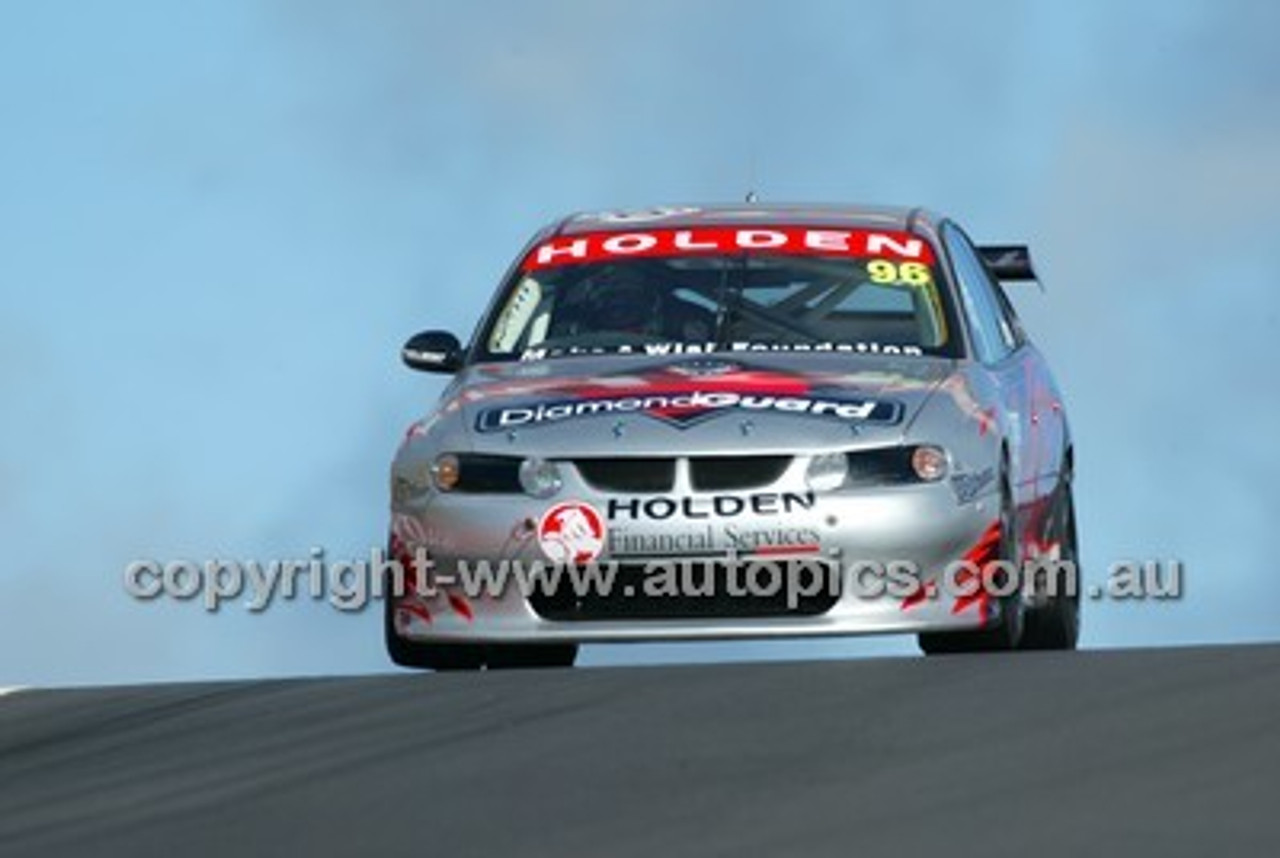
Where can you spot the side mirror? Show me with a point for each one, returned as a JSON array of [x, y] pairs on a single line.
[[432, 351]]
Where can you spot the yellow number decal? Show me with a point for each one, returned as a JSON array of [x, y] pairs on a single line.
[[914, 273], [882, 271], [907, 274]]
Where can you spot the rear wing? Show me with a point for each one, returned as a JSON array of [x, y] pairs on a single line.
[[1008, 262]]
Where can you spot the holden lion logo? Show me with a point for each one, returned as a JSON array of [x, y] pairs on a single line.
[[571, 533]]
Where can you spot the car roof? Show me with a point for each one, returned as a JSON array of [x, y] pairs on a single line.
[[909, 219]]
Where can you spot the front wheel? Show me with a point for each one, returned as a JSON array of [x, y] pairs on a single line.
[[1055, 624]]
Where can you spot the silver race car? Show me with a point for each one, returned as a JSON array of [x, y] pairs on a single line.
[[730, 422]]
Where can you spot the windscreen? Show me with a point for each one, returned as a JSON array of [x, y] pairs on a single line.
[[706, 290]]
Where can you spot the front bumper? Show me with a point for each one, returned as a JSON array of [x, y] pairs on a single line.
[[922, 527]]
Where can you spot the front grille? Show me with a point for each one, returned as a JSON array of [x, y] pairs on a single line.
[[706, 473], [627, 599], [628, 475], [735, 473]]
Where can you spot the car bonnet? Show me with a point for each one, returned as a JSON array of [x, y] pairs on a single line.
[[690, 404]]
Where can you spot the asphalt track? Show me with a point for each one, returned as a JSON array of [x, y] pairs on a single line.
[[1157, 752]]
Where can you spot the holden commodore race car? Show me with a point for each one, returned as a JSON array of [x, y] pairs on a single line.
[[731, 422]]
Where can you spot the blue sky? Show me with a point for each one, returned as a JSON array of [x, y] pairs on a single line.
[[219, 219]]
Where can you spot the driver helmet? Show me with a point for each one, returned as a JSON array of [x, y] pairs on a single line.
[[623, 300]]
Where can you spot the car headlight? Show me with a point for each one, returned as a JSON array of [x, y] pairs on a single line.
[[540, 477], [890, 466], [827, 471], [477, 473], [446, 470], [929, 463]]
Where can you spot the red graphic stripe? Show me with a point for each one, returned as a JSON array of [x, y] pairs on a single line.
[[775, 550], [461, 607], [419, 611], [982, 556]]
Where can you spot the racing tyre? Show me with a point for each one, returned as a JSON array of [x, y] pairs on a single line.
[[1056, 624], [1007, 633]]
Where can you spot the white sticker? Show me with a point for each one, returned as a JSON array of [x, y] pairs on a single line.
[[511, 323]]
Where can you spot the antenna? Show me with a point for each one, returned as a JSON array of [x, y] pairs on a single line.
[[752, 196]]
